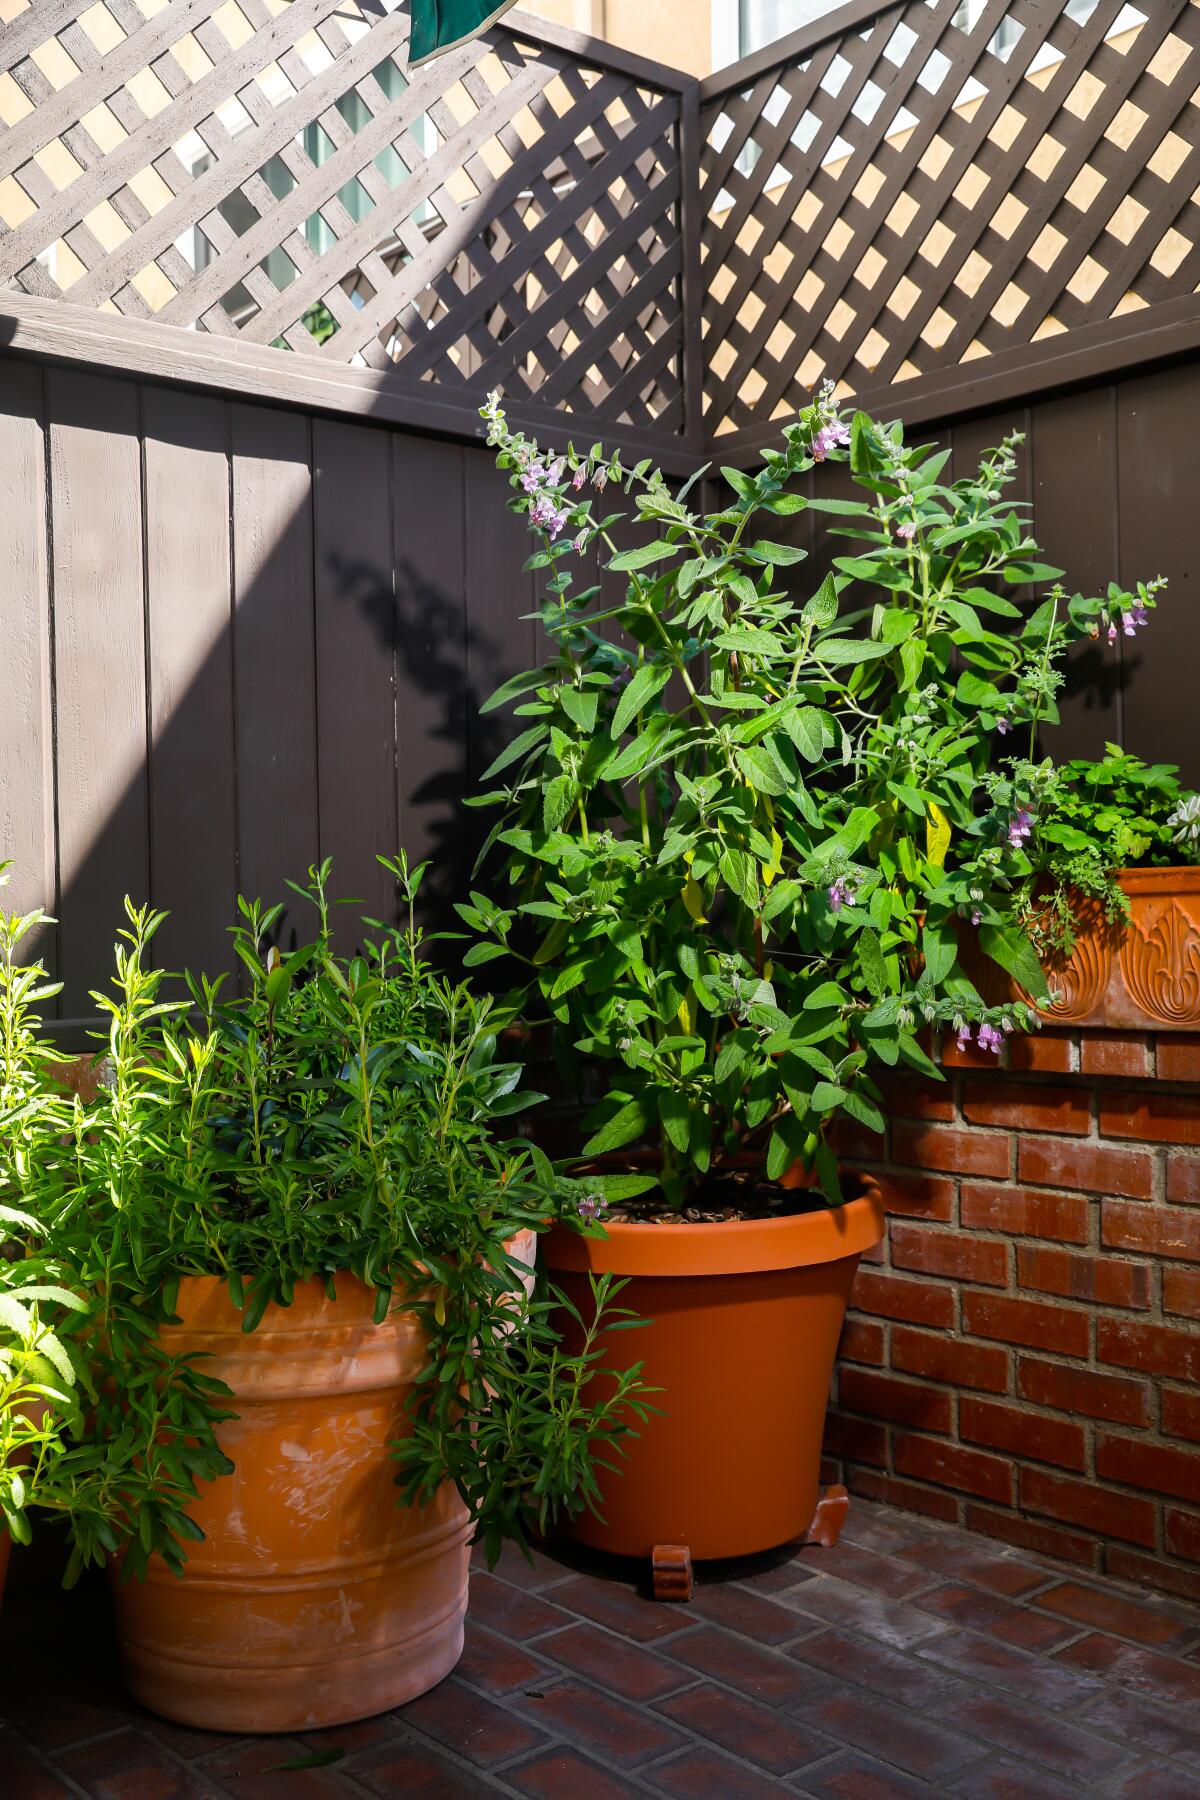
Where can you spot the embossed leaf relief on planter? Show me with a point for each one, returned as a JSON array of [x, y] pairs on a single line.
[[1143, 975], [1161, 967]]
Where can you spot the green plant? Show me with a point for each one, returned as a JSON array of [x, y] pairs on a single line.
[[1088, 820], [39, 1384], [741, 829], [337, 1118]]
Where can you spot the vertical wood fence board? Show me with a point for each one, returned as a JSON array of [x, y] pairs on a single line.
[[100, 669], [1156, 425], [355, 662], [431, 627], [27, 825], [500, 641], [274, 665], [193, 810], [1076, 510]]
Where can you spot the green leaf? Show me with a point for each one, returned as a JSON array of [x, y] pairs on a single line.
[[871, 962], [822, 609], [643, 555], [780, 556], [745, 638], [804, 728], [835, 651], [514, 688], [761, 770], [973, 690], [1031, 571], [558, 802], [1017, 956], [785, 505], [524, 742], [827, 994], [676, 1117], [628, 1123], [580, 705], [940, 951], [648, 681]]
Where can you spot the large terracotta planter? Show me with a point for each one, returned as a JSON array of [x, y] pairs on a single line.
[[744, 1327], [315, 1598], [1140, 975]]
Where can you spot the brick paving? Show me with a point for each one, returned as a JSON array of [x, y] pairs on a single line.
[[914, 1659]]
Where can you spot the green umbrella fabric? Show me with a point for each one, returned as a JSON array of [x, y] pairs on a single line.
[[438, 25]]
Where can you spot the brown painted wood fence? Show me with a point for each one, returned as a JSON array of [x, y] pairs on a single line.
[[253, 597]]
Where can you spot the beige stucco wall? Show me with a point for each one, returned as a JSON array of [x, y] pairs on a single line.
[[678, 32]]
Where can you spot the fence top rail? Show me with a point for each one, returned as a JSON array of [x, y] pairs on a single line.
[[794, 47]]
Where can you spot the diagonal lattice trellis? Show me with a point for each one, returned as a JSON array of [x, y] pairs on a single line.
[[943, 182], [269, 169]]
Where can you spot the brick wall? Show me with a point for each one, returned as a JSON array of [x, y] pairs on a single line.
[[1022, 1354]]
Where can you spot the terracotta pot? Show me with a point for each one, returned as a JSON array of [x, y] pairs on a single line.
[[745, 1320], [1143, 975], [315, 1598]]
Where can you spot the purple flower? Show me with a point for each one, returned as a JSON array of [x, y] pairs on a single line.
[[1002, 727], [554, 472], [581, 543], [964, 1035], [990, 1039], [977, 917], [907, 530], [1112, 633], [590, 1206], [828, 438], [841, 895], [600, 480], [1019, 828], [579, 477]]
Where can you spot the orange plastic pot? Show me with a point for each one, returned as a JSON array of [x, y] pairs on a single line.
[[743, 1333], [314, 1598]]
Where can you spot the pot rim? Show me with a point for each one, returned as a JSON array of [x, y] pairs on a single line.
[[736, 1247], [1180, 879]]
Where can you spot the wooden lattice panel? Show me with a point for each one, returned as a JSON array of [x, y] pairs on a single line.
[[921, 192], [270, 169]]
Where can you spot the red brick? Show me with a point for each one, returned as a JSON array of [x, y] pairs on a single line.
[[1151, 1571], [910, 1097], [1181, 1292], [1156, 1230], [919, 1196], [954, 1149], [901, 1297], [949, 1465], [1113, 1613], [862, 1342], [1183, 1534], [1097, 1168], [949, 1359], [1159, 1118], [906, 1402], [1179, 1056], [1181, 1414], [859, 1440], [1022, 1433], [1028, 1534], [1156, 1467], [1042, 1052], [1028, 1106], [932, 1502], [931, 1250], [1083, 1503], [1027, 1322], [1114, 1053], [1183, 1178], [1025, 1212], [1103, 1279], [1111, 1397], [1157, 1349]]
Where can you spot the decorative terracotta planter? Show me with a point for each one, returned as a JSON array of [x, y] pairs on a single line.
[[1143, 975], [315, 1598], [743, 1333]]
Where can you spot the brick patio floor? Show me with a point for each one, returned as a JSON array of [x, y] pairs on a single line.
[[912, 1660]]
